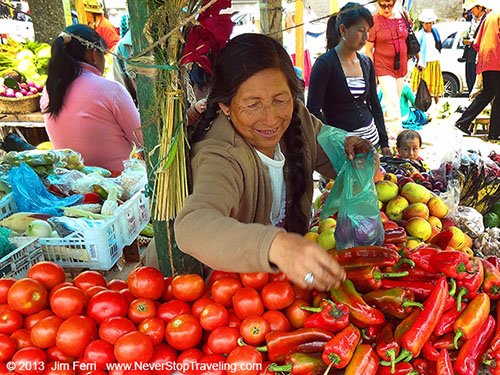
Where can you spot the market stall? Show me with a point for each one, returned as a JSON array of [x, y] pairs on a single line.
[[421, 296], [427, 297]]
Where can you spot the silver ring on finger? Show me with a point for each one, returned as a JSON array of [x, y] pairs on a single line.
[[309, 278]]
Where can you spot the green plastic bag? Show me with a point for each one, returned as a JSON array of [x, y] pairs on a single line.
[[353, 195]]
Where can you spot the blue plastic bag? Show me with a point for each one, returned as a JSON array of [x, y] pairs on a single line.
[[31, 195], [353, 196]]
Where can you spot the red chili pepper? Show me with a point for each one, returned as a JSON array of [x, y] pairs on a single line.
[[491, 283], [301, 364], [386, 346], [452, 263], [417, 274], [422, 290], [443, 364], [446, 342], [390, 246], [429, 352], [424, 367], [358, 308], [421, 330], [492, 360], [56, 190], [405, 325], [319, 298], [493, 259], [495, 343], [369, 278], [442, 239], [398, 302], [364, 256], [364, 361], [340, 349], [473, 281], [470, 354], [472, 318], [450, 303], [395, 235], [421, 255], [370, 333], [389, 224], [402, 368], [330, 316], [303, 340], [91, 198], [445, 325]]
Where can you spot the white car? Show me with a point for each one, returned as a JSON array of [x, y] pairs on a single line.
[[453, 70]]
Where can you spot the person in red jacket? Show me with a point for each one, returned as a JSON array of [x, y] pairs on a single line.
[[104, 28]]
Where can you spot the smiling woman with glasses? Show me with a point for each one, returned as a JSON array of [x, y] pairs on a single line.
[[253, 153], [387, 47]]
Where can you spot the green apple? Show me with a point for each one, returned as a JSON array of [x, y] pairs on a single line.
[[326, 239], [327, 223]]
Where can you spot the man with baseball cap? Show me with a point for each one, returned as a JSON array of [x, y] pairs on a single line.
[[478, 10], [488, 65]]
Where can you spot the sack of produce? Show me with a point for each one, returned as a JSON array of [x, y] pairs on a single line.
[[353, 195]]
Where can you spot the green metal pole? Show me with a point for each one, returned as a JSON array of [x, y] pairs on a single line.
[[171, 260]]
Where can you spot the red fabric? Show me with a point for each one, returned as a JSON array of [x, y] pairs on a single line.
[[488, 44], [306, 73], [108, 32], [388, 34]]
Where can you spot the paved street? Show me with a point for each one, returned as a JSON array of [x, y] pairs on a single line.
[[441, 137]]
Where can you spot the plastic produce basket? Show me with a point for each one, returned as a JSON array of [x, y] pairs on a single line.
[[97, 248], [7, 206], [17, 263], [133, 215]]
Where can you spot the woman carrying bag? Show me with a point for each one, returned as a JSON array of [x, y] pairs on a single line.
[[428, 66], [386, 46]]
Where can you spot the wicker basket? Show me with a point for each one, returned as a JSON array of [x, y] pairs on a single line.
[[26, 104]]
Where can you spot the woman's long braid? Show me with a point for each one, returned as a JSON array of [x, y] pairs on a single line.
[[204, 122], [296, 221]]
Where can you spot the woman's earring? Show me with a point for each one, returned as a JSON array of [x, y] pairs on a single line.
[[228, 117], [343, 37]]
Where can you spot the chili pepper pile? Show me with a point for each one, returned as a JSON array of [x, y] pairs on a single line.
[[396, 314]]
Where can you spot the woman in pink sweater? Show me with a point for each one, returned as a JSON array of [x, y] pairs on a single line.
[[84, 111]]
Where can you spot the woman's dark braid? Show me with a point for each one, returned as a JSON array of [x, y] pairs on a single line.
[[204, 123], [296, 221]]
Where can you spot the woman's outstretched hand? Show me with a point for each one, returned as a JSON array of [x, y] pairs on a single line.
[[305, 263], [356, 145], [386, 151]]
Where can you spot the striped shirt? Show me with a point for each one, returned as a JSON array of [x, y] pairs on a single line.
[[357, 87]]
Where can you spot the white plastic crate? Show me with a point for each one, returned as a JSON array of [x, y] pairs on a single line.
[[17, 263], [96, 248], [133, 216], [7, 206]]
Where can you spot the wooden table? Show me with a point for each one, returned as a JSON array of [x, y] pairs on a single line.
[[30, 126]]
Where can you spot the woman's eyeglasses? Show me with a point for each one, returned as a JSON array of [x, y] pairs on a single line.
[[386, 6]]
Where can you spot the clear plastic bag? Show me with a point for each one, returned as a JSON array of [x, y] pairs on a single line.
[[134, 177], [31, 195], [86, 184], [469, 220], [353, 196]]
